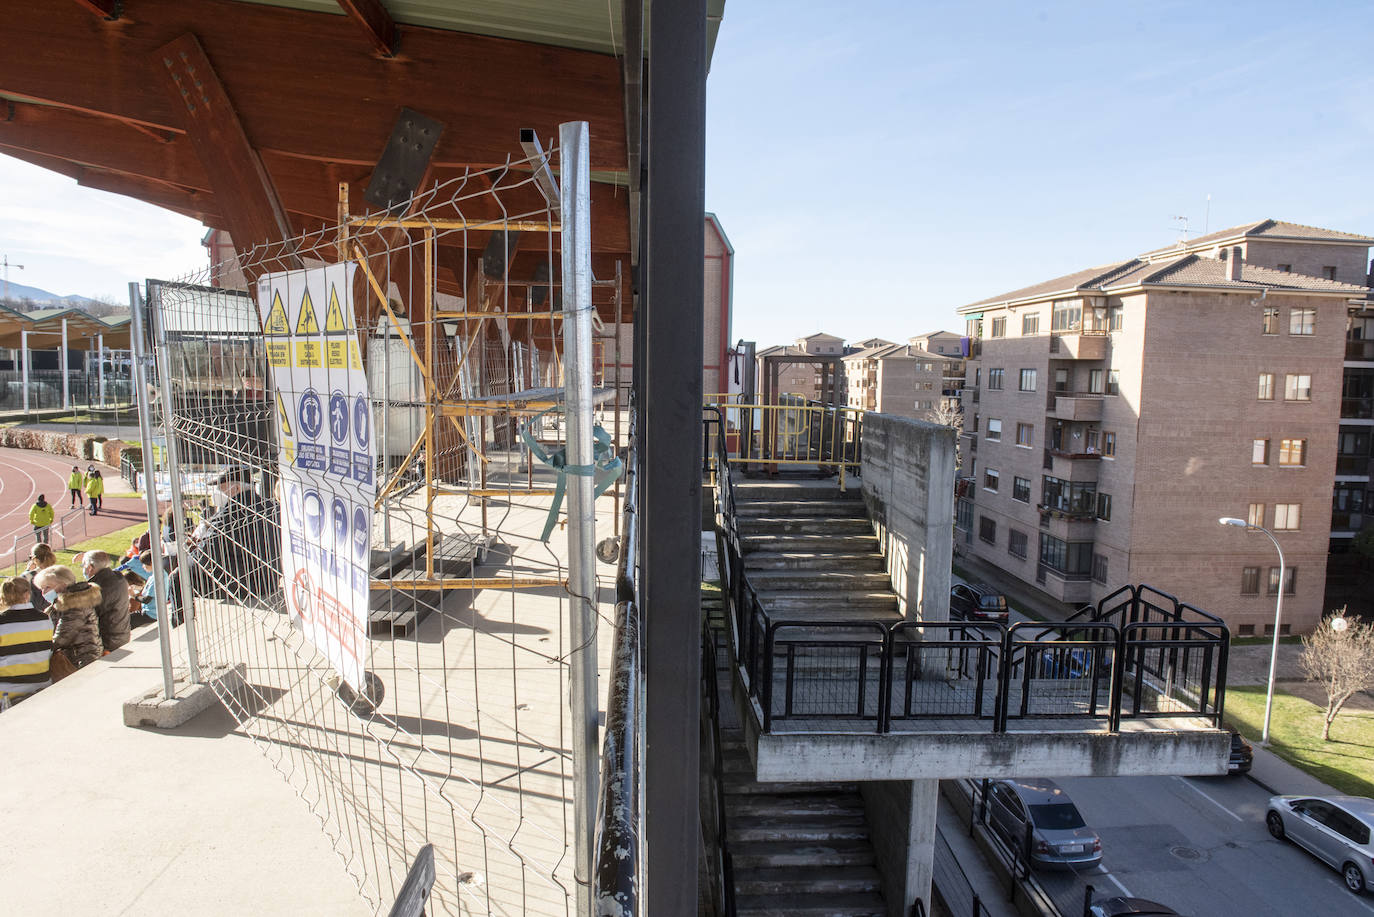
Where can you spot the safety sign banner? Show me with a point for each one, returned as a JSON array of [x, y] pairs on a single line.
[[326, 459]]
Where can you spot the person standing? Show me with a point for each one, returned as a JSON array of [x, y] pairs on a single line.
[[41, 515], [25, 644], [95, 489], [74, 485]]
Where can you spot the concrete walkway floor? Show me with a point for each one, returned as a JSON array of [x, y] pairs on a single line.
[[105, 819]]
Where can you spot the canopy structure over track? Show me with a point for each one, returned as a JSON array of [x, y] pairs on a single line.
[[84, 331]]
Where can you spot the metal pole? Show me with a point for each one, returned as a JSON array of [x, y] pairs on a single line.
[[66, 388], [145, 428], [100, 361], [576, 199], [386, 431], [164, 373], [1274, 654], [24, 345]]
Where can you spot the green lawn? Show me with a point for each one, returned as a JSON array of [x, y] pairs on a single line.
[[1346, 762], [115, 544]]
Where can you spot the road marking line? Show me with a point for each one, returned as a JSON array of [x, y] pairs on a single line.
[[1124, 890], [1208, 797]]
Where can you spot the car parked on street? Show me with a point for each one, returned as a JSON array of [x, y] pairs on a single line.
[[977, 603], [1131, 907], [1335, 829], [1242, 755], [1037, 818]]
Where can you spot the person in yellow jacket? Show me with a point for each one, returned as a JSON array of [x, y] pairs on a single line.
[[74, 484], [95, 488], [41, 515]]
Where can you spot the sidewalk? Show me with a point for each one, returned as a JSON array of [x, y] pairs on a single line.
[[986, 884], [1281, 778], [1024, 598]]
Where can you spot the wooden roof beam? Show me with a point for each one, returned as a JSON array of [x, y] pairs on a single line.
[[105, 9], [375, 21], [242, 187]]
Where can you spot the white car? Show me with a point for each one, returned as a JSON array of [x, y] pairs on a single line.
[[1336, 829]]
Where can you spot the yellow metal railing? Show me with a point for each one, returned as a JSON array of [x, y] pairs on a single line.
[[792, 433]]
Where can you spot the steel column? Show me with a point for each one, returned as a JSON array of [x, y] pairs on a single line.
[[575, 206], [138, 345], [24, 346], [100, 364], [672, 310], [66, 382]]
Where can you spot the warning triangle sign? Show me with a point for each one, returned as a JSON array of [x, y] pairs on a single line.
[[276, 318], [306, 322], [283, 417], [333, 316]]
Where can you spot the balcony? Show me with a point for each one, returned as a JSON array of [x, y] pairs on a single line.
[[1067, 525], [1353, 465], [1346, 521], [1072, 466], [1359, 350], [1357, 408], [1082, 407], [1079, 345]]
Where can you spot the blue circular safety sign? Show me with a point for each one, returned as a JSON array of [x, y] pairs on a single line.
[[338, 418], [362, 420], [310, 414]]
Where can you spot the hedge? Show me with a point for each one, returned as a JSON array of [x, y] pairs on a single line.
[[78, 446]]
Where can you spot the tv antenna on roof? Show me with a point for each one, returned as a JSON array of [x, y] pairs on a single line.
[[7, 264], [1184, 230]]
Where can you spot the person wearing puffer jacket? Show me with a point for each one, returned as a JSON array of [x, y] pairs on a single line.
[[73, 610]]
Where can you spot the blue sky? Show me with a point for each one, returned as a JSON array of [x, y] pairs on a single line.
[[878, 164]]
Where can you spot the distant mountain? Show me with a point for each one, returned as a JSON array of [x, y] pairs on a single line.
[[19, 291], [42, 299]]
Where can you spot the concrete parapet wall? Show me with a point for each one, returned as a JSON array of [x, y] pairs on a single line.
[[908, 488]]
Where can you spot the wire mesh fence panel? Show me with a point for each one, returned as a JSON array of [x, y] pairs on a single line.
[[381, 548]]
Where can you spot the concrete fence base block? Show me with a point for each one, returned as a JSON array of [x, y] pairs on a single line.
[[152, 709]]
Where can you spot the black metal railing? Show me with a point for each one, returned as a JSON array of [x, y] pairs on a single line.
[[619, 819], [715, 826]]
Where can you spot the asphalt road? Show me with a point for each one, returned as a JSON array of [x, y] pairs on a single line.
[[1199, 845]]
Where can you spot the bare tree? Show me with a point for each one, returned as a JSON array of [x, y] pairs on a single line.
[[1339, 655], [947, 414]]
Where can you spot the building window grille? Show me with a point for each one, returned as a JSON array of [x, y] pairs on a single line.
[[1020, 489], [1016, 543], [987, 529]]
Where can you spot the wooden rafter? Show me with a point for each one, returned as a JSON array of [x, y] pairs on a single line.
[[375, 21], [105, 9]]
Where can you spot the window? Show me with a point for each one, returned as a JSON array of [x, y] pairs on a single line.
[[1302, 321], [1249, 580], [1297, 387], [1095, 381], [1027, 380], [977, 376], [963, 515], [1076, 497], [1292, 453], [987, 529], [1113, 382], [1287, 516], [1092, 440], [1067, 315], [1256, 515], [1259, 452], [990, 480], [995, 379], [1016, 543], [1270, 324], [1114, 318], [1070, 558], [1020, 489], [1266, 386], [1286, 268], [1108, 443], [1290, 585], [1329, 272], [1025, 434], [994, 429], [1104, 507], [1061, 380], [1247, 630], [1283, 628], [1100, 568], [1030, 324], [999, 327]]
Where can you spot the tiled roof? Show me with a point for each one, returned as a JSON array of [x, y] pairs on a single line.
[[1193, 270], [1264, 229], [1066, 284]]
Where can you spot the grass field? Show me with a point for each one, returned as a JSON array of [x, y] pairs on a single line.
[[115, 544], [1346, 762]]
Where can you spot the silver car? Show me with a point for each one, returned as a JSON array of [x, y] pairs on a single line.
[[1036, 817], [1332, 828]]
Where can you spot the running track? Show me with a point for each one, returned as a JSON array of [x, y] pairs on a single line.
[[25, 473]]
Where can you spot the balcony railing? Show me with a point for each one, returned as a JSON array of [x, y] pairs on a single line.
[[1357, 408], [1353, 464], [1359, 350]]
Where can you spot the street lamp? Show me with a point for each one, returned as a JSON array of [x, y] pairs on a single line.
[[1278, 616]]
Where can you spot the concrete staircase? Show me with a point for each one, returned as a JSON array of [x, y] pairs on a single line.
[[799, 849], [811, 554]]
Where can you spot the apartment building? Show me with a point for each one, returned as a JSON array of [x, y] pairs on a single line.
[[951, 345], [805, 375], [1112, 415], [898, 379]]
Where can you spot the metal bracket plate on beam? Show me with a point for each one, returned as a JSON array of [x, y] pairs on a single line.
[[404, 161]]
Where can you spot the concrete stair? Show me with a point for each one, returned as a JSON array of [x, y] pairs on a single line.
[[798, 848]]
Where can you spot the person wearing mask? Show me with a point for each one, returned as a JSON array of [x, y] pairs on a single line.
[[75, 483], [25, 644], [77, 635], [113, 610], [40, 557], [41, 515], [240, 552], [95, 490]]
